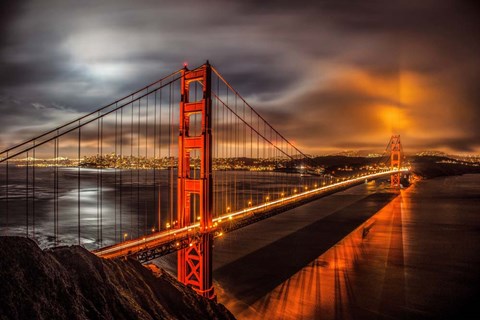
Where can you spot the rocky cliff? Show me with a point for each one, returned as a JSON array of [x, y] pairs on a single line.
[[72, 283]]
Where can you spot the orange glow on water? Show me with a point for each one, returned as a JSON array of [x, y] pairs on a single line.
[[330, 287]]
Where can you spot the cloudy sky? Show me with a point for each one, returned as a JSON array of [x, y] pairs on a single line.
[[329, 75]]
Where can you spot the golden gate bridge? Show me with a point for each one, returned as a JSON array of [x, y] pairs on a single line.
[[164, 169]]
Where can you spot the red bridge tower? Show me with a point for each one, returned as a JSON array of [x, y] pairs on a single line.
[[395, 162], [195, 261]]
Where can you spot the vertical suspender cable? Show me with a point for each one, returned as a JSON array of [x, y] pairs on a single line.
[[26, 192], [146, 169], [33, 191], [244, 126], [98, 181], [101, 182], [115, 178], [78, 179], [121, 174], [138, 170], [54, 201], [7, 195], [170, 143], [129, 233], [160, 157], [235, 155], [154, 166], [252, 156]]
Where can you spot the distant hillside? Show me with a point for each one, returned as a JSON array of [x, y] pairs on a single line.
[[436, 166], [424, 166], [72, 283], [334, 162], [337, 161]]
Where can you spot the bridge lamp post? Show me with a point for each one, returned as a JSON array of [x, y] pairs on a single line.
[[249, 203], [228, 209], [267, 198], [125, 237]]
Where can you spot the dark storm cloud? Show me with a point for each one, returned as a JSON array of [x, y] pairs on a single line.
[[438, 41], [327, 74], [22, 119]]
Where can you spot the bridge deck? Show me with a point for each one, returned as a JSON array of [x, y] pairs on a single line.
[[165, 242]]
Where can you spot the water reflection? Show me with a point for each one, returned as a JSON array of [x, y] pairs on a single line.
[[112, 205], [359, 277]]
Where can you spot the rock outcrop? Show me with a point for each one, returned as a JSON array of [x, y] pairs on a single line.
[[72, 283]]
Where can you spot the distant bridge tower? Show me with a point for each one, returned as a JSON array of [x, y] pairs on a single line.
[[395, 162], [195, 262]]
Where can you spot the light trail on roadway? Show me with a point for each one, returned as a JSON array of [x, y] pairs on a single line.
[[148, 242]]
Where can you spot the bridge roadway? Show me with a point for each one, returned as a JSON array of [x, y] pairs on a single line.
[[164, 242]]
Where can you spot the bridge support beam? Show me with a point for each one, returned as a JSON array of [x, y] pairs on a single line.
[[395, 162], [195, 261]]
